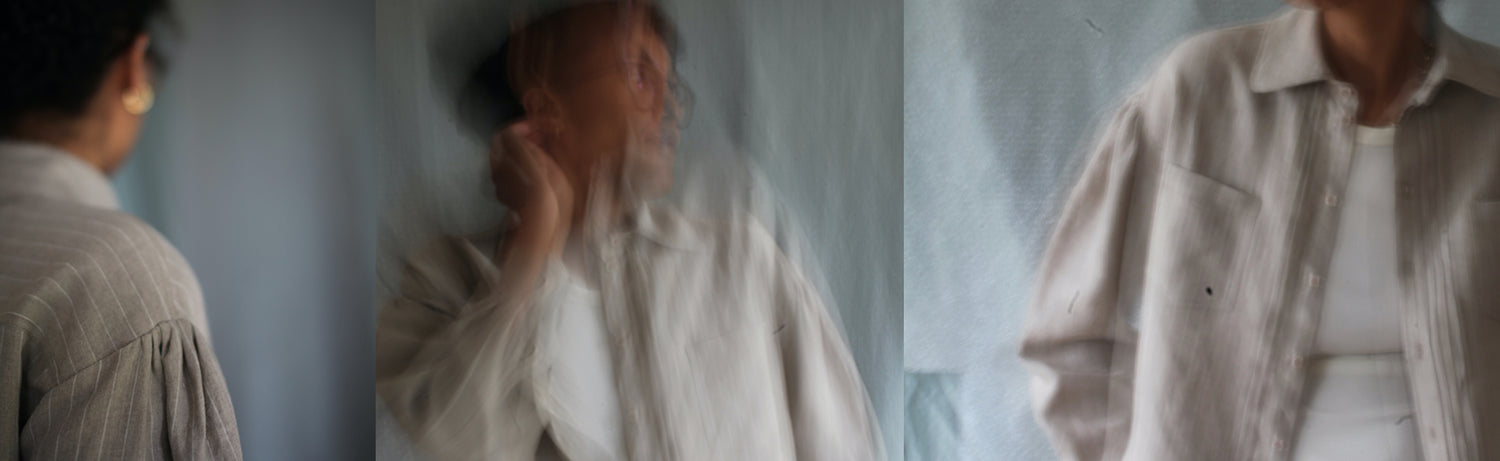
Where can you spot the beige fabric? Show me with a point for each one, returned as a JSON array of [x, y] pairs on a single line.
[[721, 349], [104, 348], [1182, 286]]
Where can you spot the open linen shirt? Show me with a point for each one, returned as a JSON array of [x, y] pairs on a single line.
[[1182, 286], [104, 347], [721, 351]]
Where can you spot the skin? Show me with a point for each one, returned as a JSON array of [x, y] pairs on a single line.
[[589, 147], [1378, 47], [104, 134]]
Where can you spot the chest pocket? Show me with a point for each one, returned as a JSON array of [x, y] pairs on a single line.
[[1201, 232]]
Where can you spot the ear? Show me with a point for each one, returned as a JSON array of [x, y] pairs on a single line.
[[138, 67], [133, 77]]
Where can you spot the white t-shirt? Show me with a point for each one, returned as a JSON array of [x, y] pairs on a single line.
[[578, 386], [1360, 314], [1357, 403]]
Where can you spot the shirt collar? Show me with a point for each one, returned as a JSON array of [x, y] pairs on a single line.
[[1291, 54], [664, 227], [657, 225], [30, 169]]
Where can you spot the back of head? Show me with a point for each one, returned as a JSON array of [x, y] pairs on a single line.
[[54, 53]]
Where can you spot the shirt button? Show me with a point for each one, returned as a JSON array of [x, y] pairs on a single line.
[[1331, 199], [1313, 280], [1407, 190], [1280, 445], [1297, 360]]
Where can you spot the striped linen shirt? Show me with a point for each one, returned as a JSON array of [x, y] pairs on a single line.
[[1182, 287], [104, 348]]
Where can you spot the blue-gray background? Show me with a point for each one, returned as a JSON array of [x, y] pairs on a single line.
[[1003, 99], [255, 163], [807, 93]]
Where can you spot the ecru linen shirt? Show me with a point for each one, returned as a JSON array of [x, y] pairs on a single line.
[[1181, 290], [720, 348], [104, 347]]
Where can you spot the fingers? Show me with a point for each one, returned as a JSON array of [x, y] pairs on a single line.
[[522, 171], [514, 170], [512, 149]]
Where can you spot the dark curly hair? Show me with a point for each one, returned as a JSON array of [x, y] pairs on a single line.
[[54, 53]]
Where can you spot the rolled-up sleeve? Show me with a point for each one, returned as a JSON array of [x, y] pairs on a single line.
[[1076, 344], [454, 358]]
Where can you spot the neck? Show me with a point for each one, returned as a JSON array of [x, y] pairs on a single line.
[[1377, 46], [600, 208], [68, 136]]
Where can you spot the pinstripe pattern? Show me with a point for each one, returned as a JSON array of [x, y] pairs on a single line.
[[104, 350], [1183, 285]]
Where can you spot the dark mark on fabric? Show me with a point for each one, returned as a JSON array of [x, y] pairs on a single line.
[[1094, 26], [1070, 303]]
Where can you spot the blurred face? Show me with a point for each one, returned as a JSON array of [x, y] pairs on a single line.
[[611, 99], [1335, 4], [1319, 4]]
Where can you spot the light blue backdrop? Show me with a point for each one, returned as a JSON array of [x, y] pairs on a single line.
[[1002, 102], [808, 92], [255, 164]]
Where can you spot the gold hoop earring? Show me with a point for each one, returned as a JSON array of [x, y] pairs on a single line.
[[138, 101]]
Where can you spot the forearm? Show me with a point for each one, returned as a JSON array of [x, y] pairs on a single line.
[[455, 357]]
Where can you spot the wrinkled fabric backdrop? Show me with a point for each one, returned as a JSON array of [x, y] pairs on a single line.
[[796, 101], [1003, 101]]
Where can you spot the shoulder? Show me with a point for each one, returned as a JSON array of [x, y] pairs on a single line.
[[1208, 71], [105, 255], [91, 280], [1479, 63], [1205, 64], [1225, 52]]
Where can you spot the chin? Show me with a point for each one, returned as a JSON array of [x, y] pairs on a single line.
[[650, 171], [651, 182]]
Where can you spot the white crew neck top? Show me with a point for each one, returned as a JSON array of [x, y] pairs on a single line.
[[1358, 402], [1360, 314], [578, 389]]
